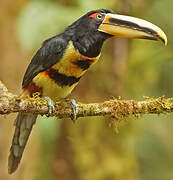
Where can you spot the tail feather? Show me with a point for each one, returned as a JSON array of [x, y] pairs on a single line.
[[24, 123]]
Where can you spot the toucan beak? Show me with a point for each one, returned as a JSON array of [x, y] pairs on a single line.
[[131, 27]]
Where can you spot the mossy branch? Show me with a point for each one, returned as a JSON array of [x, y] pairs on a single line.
[[117, 109]]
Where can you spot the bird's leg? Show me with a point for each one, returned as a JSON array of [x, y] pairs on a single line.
[[50, 105], [74, 106], [72, 102]]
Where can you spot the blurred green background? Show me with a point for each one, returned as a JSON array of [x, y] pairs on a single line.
[[90, 149]]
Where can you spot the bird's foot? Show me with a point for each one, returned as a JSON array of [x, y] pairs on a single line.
[[74, 106], [51, 107]]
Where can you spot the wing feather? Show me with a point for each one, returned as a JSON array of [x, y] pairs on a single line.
[[49, 54]]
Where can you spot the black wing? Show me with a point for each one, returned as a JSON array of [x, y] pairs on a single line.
[[49, 54]]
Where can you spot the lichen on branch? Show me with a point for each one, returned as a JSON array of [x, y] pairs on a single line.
[[117, 109]]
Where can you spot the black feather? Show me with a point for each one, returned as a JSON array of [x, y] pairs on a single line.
[[62, 79], [48, 55]]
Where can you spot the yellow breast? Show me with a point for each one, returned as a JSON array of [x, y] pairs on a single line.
[[66, 74], [51, 89], [68, 64]]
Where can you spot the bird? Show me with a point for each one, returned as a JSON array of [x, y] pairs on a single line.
[[57, 67]]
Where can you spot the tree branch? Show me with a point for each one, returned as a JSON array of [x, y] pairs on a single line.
[[117, 109]]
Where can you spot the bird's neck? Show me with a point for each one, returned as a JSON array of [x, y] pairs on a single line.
[[87, 43]]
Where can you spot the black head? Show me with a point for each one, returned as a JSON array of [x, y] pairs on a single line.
[[90, 31], [85, 35]]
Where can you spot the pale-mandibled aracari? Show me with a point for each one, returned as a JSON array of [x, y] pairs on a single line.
[[62, 60]]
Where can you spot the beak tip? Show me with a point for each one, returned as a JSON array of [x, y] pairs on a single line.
[[166, 42], [162, 37]]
